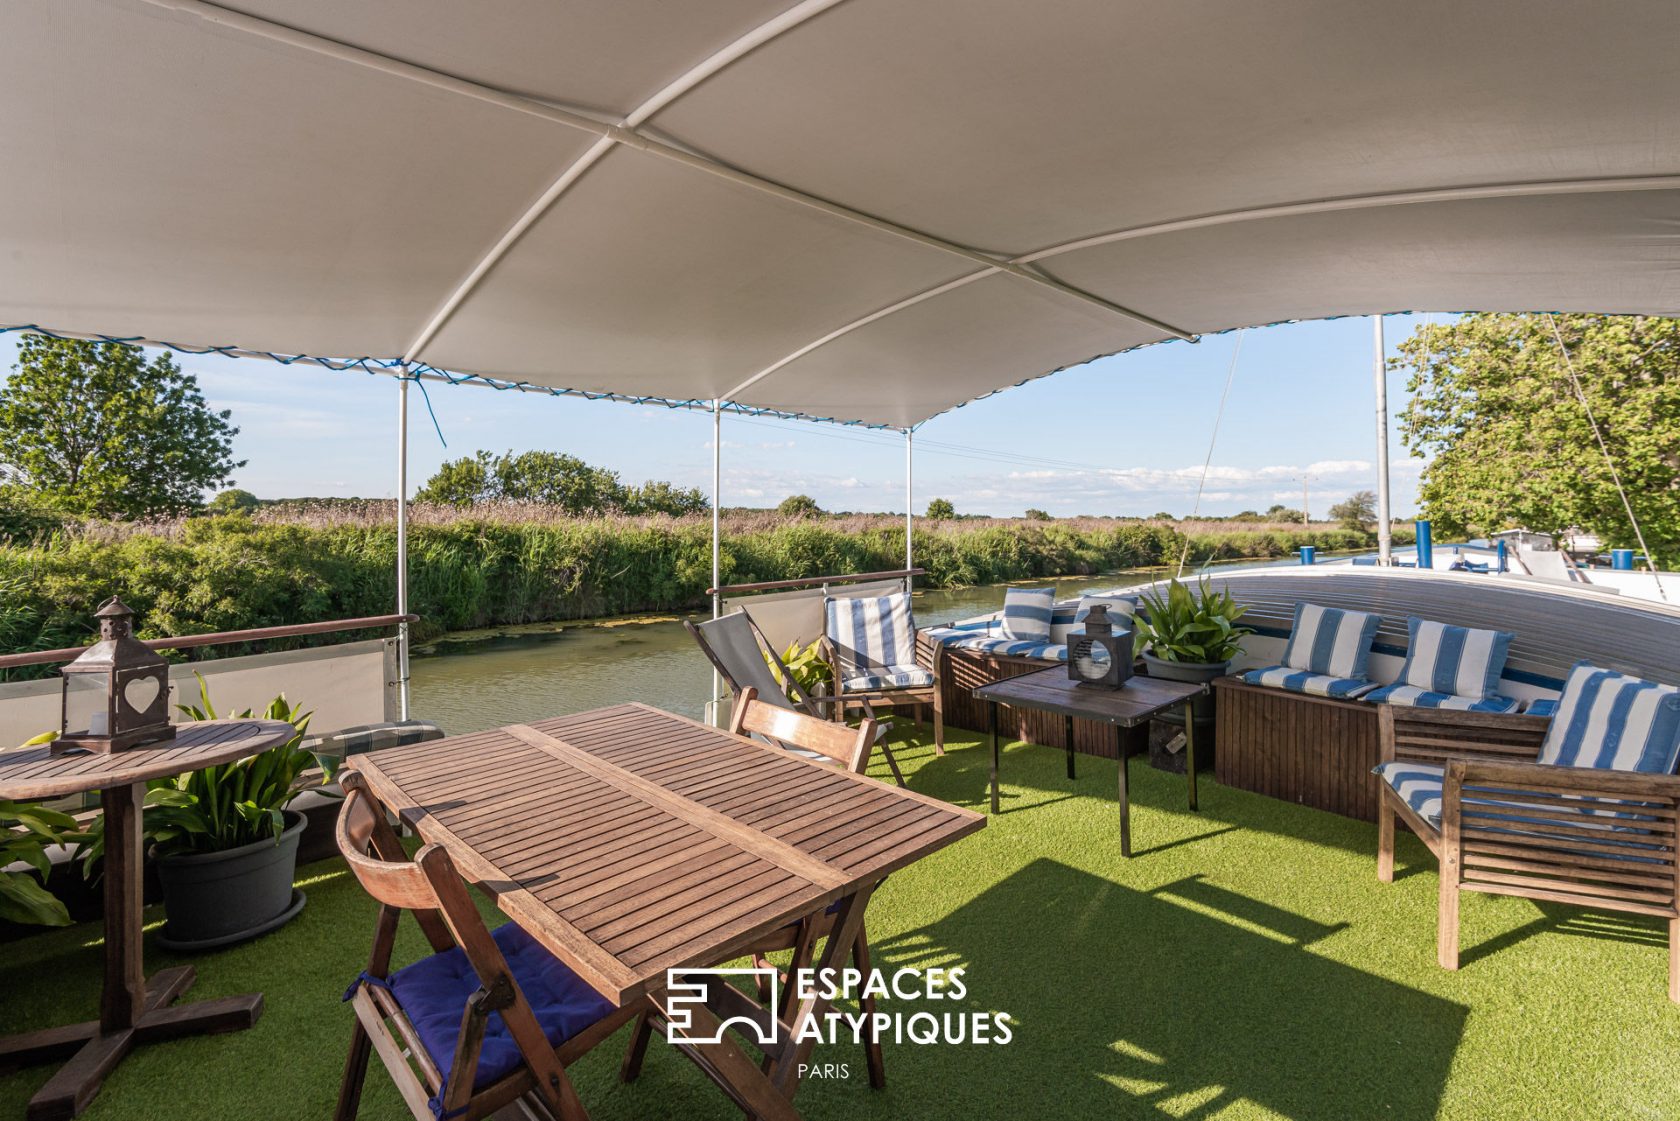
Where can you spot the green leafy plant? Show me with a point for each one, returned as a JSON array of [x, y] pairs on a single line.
[[807, 666], [223, 807], [26, 830], [1180, 627]]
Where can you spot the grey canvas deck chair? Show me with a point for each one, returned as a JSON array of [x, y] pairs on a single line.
[[744, 659]]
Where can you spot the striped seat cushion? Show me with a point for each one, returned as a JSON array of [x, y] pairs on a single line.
[[1413, 697], [1004, 646], [1544, 706], [1027, 613], [1314, 684], [1329, 641], [871, 635], [892, 677], [1610, 720], [1456, 661]]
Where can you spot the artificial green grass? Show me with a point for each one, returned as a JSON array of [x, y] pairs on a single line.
[[1245, 964]]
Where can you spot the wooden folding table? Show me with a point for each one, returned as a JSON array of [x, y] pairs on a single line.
[[131, 1010], [635, 844]]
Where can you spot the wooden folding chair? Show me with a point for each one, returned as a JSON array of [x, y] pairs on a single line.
[[870, 646], [457, 1030], [847, 748]]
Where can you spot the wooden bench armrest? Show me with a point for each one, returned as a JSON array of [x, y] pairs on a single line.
[[1586, 781], [1439, 735]]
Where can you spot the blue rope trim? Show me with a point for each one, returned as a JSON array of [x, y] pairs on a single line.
[[394, 366], [366, 978]]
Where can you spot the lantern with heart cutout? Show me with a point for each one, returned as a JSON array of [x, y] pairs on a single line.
[[116, 695]]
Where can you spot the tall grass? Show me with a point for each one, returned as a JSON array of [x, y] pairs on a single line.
[[512, 564]]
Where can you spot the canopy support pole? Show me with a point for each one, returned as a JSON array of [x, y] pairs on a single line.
[[1385, 517], [717, 533], [909, 506], [402, 544]]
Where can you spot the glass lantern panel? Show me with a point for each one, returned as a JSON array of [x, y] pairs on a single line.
[[86, 696], [1091, 660]]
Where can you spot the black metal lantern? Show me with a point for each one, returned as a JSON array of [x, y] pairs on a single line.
[[116, 695], [1100, 655]]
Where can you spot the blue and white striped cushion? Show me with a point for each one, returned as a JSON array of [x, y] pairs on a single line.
[[1121, 609], [1543, 706], [1315, 684], [1330, 641], [893, 677], [1009, 647], [871, 635], [1610, 720], [1418, 784], [1458, 661], [1027, 612], [1413, 697]]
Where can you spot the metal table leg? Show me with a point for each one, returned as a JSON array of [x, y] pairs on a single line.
[[1125, 797], [1068, 728], [992, 723], [1190, 748]]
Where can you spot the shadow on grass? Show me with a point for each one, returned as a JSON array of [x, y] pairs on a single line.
[[1177, 1002]]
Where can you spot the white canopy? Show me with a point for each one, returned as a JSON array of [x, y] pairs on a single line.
[[868, 210]]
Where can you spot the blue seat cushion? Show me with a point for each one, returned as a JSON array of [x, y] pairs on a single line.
[[888, 677], [1544, 706], [1312, 684], [433, 993], [1413, 697], [1010, 647]]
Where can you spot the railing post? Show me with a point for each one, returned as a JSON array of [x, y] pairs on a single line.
[[717, 533], [1385, 514], [909, 508]]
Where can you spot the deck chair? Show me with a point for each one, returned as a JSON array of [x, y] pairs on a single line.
[[488, 1019], [1581, 809], [837, 744], [746, 661], [870, 644]]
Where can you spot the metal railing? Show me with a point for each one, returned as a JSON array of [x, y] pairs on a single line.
[[216, 638], [816, 581]]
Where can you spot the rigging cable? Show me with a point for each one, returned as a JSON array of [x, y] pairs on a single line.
[[1212, 440], [1609, 461]]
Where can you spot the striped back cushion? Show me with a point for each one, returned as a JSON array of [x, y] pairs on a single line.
[[1610, 720], [1120, 609], [1330, 641], [870, 635], [1455, 660], [1027, 611]]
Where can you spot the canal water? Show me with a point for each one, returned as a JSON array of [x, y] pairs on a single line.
[[470, 682]]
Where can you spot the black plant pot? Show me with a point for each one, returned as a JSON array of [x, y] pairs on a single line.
[[220, 898], [1166, 726]]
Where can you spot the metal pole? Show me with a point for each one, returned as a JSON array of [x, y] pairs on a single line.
[[717, 532], [402, 544], [1385, 517], [909, 506]]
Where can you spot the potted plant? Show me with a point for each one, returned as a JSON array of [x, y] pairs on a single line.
[[1190, 637], [224, 842], [26, 830]]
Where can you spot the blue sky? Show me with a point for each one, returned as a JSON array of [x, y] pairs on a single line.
[[1121, 435]]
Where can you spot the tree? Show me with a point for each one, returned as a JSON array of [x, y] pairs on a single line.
[[1278, 512], [1034, 514], [941, 510], [1358, 511], [665, 498], [234, 501], [798, 506], [94, 429], [1495, 411], [545, 478]]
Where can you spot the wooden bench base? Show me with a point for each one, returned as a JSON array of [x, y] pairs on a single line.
[[1313, 751]]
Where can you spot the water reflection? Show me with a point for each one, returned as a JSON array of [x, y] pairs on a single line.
[[485, 682]]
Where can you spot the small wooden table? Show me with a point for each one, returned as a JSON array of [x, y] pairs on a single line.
[[631, 842], [131, 1010], [1135, 702]]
